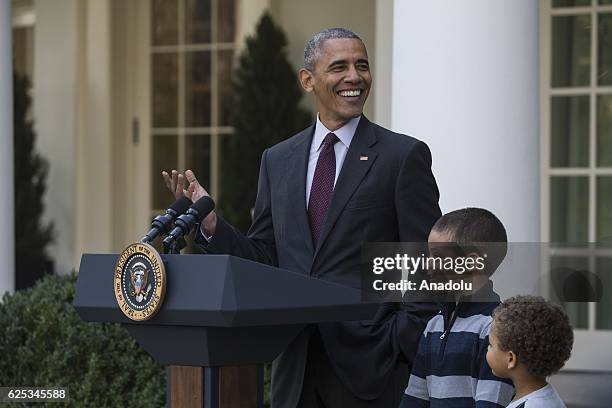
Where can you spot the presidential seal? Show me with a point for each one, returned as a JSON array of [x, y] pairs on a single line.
[[140, 281]]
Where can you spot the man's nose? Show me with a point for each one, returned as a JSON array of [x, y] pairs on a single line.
[[352, 75]]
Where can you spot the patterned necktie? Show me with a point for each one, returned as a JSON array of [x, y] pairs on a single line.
[[322, 186]]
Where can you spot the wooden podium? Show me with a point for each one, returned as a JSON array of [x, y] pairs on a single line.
[[222, 318]]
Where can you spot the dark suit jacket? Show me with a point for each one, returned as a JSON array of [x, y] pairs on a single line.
[[391, 196]]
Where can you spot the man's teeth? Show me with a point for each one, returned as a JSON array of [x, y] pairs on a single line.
[[356, 92]]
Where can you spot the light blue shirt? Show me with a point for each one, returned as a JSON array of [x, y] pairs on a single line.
[[545, 397]]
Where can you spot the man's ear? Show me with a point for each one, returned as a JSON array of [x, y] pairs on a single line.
[[306, 79], [512, 360]]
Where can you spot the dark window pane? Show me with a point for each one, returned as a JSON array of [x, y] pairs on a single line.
[[604, 130], [604, 208], [23, 50], [226, 59], [197, 88], [603, 314], [569, 209], [571, 3], [571, 50], [604, 54], [578, 312], [165, 157], [165, 90], [164, 25], [197, 149], [227, 21], [198, 22], [197, 159], [569, 145], [602, 2]]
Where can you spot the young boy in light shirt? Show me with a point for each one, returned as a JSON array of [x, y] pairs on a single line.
[[530, 340]]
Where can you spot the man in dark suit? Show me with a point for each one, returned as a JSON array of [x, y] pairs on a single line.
[[321, 194]]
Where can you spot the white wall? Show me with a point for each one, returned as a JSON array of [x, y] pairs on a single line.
[[72, 113], [383, 73], [7, 197], [249, 12], [465, 80], [55, 49], [94, 159]]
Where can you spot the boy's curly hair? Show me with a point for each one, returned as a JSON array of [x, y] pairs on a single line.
[[537, 331]]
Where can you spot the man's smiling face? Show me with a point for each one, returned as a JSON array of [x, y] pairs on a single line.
[[340, 80]]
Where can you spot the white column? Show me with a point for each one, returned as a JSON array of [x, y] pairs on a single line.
[[465, 81], [383, 63], [7, 194], [55, 90], [94, 160]]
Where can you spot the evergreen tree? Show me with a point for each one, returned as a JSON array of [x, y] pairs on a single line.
[[31, 235], [265, 110]]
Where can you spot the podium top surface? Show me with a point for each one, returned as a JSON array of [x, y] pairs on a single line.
[[223, 291]]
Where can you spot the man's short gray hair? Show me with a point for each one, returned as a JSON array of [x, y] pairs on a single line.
[[313, 46]]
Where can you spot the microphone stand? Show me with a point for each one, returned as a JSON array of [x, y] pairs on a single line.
[[175, 247]]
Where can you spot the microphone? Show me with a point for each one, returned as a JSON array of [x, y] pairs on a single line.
[[194, 215], [162, 223]]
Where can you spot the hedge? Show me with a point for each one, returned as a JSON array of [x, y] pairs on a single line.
[[44, 343]]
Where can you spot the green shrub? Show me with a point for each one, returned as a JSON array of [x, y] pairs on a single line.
[[43, 342], [265, 109], [32, 234]]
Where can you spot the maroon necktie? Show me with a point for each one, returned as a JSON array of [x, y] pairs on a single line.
[[322, 186]]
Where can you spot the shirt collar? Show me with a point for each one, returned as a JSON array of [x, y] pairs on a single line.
[[483, 301], [345, 133]]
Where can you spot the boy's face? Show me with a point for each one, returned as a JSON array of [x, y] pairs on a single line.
[[497, 359], [440, 246]]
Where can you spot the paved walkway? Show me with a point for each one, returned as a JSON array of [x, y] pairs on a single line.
[[584, 389]]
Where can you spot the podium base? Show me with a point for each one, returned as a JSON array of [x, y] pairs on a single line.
[[216, 387]]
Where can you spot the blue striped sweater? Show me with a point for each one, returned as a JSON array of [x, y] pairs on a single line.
[[450, 368]]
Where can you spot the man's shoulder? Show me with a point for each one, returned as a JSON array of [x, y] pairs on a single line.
[[397, 142], [285, 146]]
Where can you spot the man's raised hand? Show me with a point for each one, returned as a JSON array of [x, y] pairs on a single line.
[[175, 182], [195, 191]]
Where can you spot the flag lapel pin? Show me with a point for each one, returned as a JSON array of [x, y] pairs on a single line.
[[363, 157]]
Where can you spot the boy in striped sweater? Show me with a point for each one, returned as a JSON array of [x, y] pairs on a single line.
[[450, 368]]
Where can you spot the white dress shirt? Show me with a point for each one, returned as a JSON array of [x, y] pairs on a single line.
[[345, 134]]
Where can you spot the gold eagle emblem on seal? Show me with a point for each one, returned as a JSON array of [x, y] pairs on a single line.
[[139, 281]]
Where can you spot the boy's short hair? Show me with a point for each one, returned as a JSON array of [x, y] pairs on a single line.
[[537, 331], [469, 226]]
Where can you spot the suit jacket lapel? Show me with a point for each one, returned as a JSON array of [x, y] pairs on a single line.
[[297, 166], [353, 171]]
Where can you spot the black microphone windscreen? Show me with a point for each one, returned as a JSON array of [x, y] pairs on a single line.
[[181, 205], [203, 206]]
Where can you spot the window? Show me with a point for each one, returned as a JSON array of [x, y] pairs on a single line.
[[192, 51], [577, 142]]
